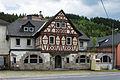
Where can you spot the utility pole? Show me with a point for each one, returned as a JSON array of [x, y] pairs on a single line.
[[113, 48]]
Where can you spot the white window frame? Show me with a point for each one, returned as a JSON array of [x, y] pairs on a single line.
[[62, 26], [25, 27], [70, 40], [59, 24], [32, 29], [54, 40]]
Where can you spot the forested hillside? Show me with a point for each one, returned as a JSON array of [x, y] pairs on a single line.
[[94, 27]]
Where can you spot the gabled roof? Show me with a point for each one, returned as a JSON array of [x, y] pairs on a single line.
[[106, 41], [54, 18], [14, 28], [84, 36], [3, 22]]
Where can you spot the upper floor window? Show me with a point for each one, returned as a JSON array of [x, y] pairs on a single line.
[[63, 25], [81, 44], [25, 28], [58, 25], [17, 41], [68, 41], [51, 39], [31, 29], [28, 42]]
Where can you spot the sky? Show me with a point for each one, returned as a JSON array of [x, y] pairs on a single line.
[[88, 8]]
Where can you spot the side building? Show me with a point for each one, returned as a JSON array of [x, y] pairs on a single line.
[[4, 44], [104, 50]]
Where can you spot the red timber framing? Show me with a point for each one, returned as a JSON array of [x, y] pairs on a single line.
[[65, 30]]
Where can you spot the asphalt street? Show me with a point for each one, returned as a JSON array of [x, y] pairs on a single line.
[[82, 76]]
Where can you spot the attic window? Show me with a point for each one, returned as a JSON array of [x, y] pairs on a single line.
[[63, 25], [57, 25], [31, 29], [25, 28]]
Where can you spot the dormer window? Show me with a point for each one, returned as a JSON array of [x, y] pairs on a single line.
[[31, 29], [25, 28]]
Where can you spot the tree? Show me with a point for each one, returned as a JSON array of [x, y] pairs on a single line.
[[95, 43]]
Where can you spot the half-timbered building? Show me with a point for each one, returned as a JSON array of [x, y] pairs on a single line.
[[47, 44]]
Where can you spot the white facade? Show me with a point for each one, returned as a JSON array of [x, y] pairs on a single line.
[[84, 47], [23, 43], [4, 45]]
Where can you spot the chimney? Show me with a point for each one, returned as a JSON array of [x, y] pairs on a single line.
[[29, 17], [41, 16]]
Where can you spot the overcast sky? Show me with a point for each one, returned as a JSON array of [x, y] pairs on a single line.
[[89, 8]]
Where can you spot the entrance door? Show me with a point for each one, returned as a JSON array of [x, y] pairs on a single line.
[[58, 62]]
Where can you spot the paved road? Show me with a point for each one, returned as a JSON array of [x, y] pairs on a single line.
[[82, 76]]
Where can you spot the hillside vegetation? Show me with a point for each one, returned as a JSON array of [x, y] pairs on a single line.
[[94, 27]]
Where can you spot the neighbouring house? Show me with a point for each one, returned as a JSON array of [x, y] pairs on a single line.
[[105, 50], [4, 45], [40, 44]]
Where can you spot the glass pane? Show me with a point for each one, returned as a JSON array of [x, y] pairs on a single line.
[[105, 59], [33, 56], [76, 60], [82, 56], [28, 42], [81, 44], [40, 61], [67, 60], [88, 60], [14, 60], [51, 40], [17, 41], [33, 60], [58, 25], [101, 59], [109, 59], [82, 60], [26, 61], [63, 25], [68, 40]]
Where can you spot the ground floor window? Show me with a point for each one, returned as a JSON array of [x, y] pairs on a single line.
[[105, 59], [83, 59], [67, 60], [33, 59], [14, 59]]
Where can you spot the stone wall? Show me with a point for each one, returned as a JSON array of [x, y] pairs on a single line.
[[20, 57]]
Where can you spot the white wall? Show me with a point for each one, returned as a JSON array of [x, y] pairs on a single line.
[[23, 43], [4, 45], [84, 45]]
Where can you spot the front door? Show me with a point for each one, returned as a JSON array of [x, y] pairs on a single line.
[[58, 62]]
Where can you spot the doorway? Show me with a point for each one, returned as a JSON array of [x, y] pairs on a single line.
[[58, 62]]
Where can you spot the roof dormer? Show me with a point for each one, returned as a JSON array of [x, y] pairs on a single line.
[[28, 27]]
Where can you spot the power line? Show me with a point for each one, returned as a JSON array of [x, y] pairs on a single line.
[[104, 9]]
